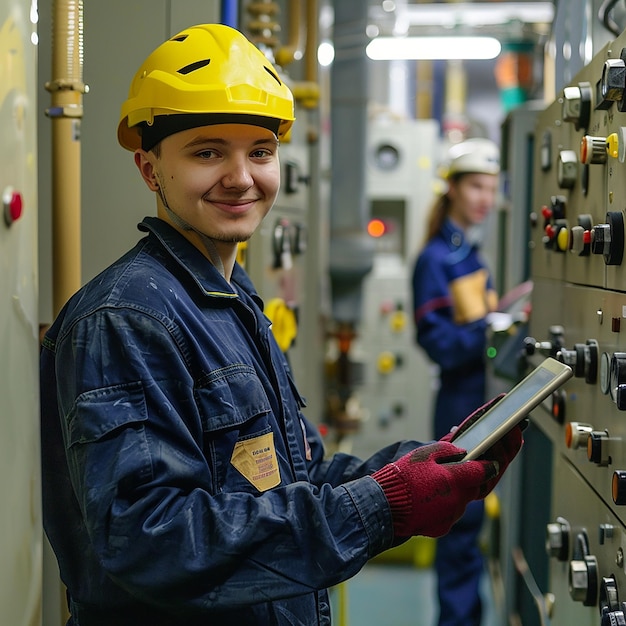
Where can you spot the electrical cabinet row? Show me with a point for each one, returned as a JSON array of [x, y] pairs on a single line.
[[578, 310]]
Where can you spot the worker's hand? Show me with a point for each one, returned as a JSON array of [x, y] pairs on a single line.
[[504, 450], [502, 453], [429, 488]]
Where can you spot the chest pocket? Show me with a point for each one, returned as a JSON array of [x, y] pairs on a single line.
[[469, 295], [241, 443]]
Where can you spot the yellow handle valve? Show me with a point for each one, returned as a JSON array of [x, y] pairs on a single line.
[[612, 145], [284, 324]]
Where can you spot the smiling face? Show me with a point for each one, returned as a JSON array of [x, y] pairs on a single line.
[[472, 197], [222, 180]]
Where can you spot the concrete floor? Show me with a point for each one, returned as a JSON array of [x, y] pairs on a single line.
[[394, 595]]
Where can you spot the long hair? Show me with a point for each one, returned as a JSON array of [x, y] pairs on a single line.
[[439, 210], [437, 216]]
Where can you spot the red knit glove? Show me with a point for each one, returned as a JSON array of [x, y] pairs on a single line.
[[504, 450], [502, 453], [428, 488]]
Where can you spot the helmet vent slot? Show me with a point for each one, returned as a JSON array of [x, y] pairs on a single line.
[[269, 71], [192, 67], [179, 38]]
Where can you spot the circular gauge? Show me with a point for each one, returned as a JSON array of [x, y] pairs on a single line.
[[386, 157], [605, 372]]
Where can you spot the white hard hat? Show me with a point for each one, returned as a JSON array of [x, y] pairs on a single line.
[[480, 156]]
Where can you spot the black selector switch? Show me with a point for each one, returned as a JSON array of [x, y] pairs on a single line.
[[608, 239]]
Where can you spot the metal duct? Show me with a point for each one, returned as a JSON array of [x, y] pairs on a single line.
[[351, 249]]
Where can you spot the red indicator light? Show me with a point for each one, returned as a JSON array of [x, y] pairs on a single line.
[[376, 228]]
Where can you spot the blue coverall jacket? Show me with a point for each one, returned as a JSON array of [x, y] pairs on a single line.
[[182, 484], [452, 295]]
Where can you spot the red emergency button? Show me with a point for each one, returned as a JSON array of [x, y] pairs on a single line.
[[13, 205]]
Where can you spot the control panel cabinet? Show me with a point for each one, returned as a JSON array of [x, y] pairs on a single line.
[[579, 316]]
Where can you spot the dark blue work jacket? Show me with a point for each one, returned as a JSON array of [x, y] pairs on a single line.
[[182, 484]]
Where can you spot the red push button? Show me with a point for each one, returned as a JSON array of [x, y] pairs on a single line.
[[13, 205]]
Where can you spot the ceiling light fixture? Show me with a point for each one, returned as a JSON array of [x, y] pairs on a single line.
[[431, 48], [477, 14]]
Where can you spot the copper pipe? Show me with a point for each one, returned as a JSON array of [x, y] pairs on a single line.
[[307, 92], [293, 50], [310, 50], [66, 89]]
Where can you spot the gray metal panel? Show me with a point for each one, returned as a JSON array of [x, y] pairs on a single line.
[[585, 296], [20, 522], [396, 395]]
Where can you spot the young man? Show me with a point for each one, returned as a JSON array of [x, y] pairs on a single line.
[[182, 483]]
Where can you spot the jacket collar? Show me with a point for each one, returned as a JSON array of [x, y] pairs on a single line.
[[196, 265], [452, 234]]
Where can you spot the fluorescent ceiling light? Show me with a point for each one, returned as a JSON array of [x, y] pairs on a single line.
[[421, 48], [476, 13]]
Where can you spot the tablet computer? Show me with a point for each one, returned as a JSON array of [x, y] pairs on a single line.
[[478, 437]]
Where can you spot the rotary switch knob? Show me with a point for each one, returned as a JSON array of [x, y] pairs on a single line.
[[613, 83], [593, 150], [583, 359], [609, 598], [617, 379], [558, 539], [577, 104], [598, 448], [577, 434], [583, 580], [567, 169], [608, 239], [613, 618]]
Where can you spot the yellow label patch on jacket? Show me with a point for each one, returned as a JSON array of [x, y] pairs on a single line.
[[255, 459], [471, 298]]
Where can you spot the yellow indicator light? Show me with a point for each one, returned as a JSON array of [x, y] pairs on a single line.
[[492, 506], [386, 362], [398, 321]]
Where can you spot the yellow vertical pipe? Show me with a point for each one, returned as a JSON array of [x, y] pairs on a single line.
[[66, 88], [456, 89], [310, 50], [424, 90]]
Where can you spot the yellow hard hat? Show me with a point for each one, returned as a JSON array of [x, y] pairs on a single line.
[[203, 75]]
